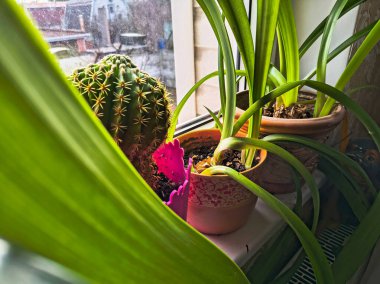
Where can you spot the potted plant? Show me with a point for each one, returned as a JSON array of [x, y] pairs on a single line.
[[70, 194], [217, 204], [324, 115], [237, 12], [276, 176], [90, 198]]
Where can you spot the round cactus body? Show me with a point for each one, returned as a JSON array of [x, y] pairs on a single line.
[[133, 106]]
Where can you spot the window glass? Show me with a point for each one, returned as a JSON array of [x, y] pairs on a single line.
[[81, 32]]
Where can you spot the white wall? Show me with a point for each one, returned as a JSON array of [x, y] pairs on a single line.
[[183, 40]]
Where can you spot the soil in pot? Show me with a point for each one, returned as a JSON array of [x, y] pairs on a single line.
[[202, 158], [296, 111], [164, 186]]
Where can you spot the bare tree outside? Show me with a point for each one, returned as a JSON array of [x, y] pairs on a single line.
[[81, 32]]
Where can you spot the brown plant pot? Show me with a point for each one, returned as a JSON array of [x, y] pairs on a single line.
[[276, 175], [217, 204]]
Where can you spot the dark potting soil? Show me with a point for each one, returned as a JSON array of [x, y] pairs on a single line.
[[297, 111], [164, 186], [202, 158]]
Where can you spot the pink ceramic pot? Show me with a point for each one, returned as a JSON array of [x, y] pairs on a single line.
[[217, 204]]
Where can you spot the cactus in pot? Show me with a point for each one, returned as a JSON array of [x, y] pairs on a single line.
[[133, 106]]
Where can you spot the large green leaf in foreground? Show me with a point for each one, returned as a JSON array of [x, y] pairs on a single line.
[[68, 193]]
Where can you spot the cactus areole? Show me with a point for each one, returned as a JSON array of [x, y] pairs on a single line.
[[133, 106]]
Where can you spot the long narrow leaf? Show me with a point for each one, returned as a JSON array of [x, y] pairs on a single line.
[[273, 257], [316, 33], [222, 83], [282, 62], [371, 126], [328, 151], [215, 118], [358, 246], [215, 16], [357, 110], [246, 143], [309, 242], [324, 51], [238, 20], [267, 13], [254, 108], [289, 44], [182, 103], [281, 52], [370, 41], [347, 43], [68, 192], [344, 183], [276, 77]]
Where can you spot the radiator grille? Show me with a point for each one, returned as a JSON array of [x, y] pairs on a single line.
[[331, 241]]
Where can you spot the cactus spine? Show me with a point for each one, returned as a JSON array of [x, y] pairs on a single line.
[[133, 106]]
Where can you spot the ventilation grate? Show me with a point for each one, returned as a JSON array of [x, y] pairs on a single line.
[[331, 241]]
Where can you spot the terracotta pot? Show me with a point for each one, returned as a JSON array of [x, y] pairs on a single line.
[[276, 175], [217, 204]]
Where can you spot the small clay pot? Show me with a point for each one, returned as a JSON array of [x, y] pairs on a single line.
[[276, 174], [217, 204]]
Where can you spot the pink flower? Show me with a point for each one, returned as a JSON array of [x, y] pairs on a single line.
[[169, 161]]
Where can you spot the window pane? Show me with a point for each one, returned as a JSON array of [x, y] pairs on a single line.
[[81, 32]]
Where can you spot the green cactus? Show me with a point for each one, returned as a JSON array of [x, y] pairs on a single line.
[[134, 107]]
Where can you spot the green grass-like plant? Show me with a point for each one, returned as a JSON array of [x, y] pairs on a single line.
[[267, 84], [69, 193]]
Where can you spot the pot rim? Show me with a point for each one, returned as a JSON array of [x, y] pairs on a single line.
[[263, 153]]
